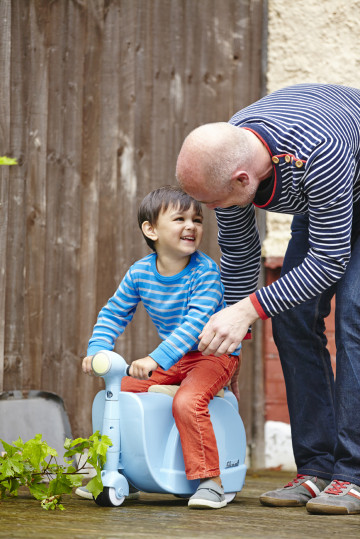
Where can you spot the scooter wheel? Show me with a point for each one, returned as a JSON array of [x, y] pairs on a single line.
[[108, 498]]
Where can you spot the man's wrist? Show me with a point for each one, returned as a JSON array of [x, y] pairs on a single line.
[[257, 307]]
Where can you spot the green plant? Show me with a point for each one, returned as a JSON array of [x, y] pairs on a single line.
[[33, 464], [7, 161]]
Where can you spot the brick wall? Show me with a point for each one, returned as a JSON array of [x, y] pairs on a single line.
[[275, 393]]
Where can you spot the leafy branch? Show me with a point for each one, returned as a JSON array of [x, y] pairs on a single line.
[[33, 464]]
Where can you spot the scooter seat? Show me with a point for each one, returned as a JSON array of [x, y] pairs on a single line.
[[172, 389]]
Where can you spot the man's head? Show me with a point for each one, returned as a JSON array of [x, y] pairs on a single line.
[[159, 201], [218, 164]]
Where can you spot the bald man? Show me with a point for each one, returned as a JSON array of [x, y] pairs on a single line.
[[295, 151]]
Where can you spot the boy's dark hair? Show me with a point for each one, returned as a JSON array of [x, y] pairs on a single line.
[[159, 200]]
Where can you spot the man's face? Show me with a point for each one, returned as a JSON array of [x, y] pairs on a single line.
[[233, 194]]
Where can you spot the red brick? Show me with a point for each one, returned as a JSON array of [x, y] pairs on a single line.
[[277, 412]]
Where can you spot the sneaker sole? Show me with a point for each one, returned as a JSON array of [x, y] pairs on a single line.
[[277, 502], [206, 504], [330, 510], [84, 495], [89, 496]]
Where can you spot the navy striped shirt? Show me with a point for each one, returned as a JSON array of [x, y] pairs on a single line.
[[179, 306], [312, 132]]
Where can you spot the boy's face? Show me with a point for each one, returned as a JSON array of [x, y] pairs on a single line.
[[178, 232]]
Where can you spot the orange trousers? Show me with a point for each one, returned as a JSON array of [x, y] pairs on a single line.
[[200, 378]]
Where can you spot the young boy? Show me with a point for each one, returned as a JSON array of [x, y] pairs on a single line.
[[180, 288]]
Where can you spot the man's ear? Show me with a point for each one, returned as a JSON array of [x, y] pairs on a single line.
[[149, 231], [240, 175]]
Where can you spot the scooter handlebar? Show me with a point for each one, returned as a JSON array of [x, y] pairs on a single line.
[[128, 371]]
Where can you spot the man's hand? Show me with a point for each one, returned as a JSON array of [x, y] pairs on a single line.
[[227, 328], [234, 382], [140, 368], [86, 365]]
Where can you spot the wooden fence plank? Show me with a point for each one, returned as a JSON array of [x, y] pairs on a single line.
[[5, 51], [15, 259], [36, 147]]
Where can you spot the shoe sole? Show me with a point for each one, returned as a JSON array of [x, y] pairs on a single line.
[[277, 502], [206, 504], [89, 496], [330, 510], [83, 495]]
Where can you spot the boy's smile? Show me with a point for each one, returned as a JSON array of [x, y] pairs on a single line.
[[178, 231], [177, 235]]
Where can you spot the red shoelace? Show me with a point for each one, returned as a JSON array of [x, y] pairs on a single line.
[[295, 481], [336, 487]]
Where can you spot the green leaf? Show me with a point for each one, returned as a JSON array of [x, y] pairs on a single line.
[[95, 486], [9, 449], [13, 486], [36, 450], [6, 469], [11, 466], [19, 444], [8, 161], [60, 485], [67, 443], [76, 480], [38, 490]]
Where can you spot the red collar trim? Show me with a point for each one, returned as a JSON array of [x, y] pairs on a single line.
[[274, 168]]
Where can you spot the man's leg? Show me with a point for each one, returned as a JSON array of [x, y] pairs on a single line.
[[343, 495], [347, 395], [301, 342]]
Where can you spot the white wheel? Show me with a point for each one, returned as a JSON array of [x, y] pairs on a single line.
[[108, 498], [229, 496]]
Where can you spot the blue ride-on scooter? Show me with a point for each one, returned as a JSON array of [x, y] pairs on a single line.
[[146, 449]]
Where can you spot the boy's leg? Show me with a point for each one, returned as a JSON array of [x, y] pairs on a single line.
[[203, 377]]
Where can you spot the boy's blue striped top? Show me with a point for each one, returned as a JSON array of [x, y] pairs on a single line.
[[314, 130], [179, 306]]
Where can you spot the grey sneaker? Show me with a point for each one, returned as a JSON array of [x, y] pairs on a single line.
[[83, 492], [339, 498], [298, 492], [208, 496]]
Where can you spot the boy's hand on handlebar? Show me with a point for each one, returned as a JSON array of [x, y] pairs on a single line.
[[140, 368], [86, 365]]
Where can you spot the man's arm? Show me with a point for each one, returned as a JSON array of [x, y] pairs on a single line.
[[239, 242]]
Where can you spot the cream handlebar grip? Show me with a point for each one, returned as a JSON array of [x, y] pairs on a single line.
[[100, 364]]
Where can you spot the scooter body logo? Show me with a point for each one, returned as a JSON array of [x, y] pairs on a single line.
[[232, 463]]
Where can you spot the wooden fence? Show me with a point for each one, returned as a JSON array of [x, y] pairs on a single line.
[[96, 98]]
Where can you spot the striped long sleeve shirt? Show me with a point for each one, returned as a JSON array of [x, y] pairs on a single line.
[[312, 133], [179, 306]]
